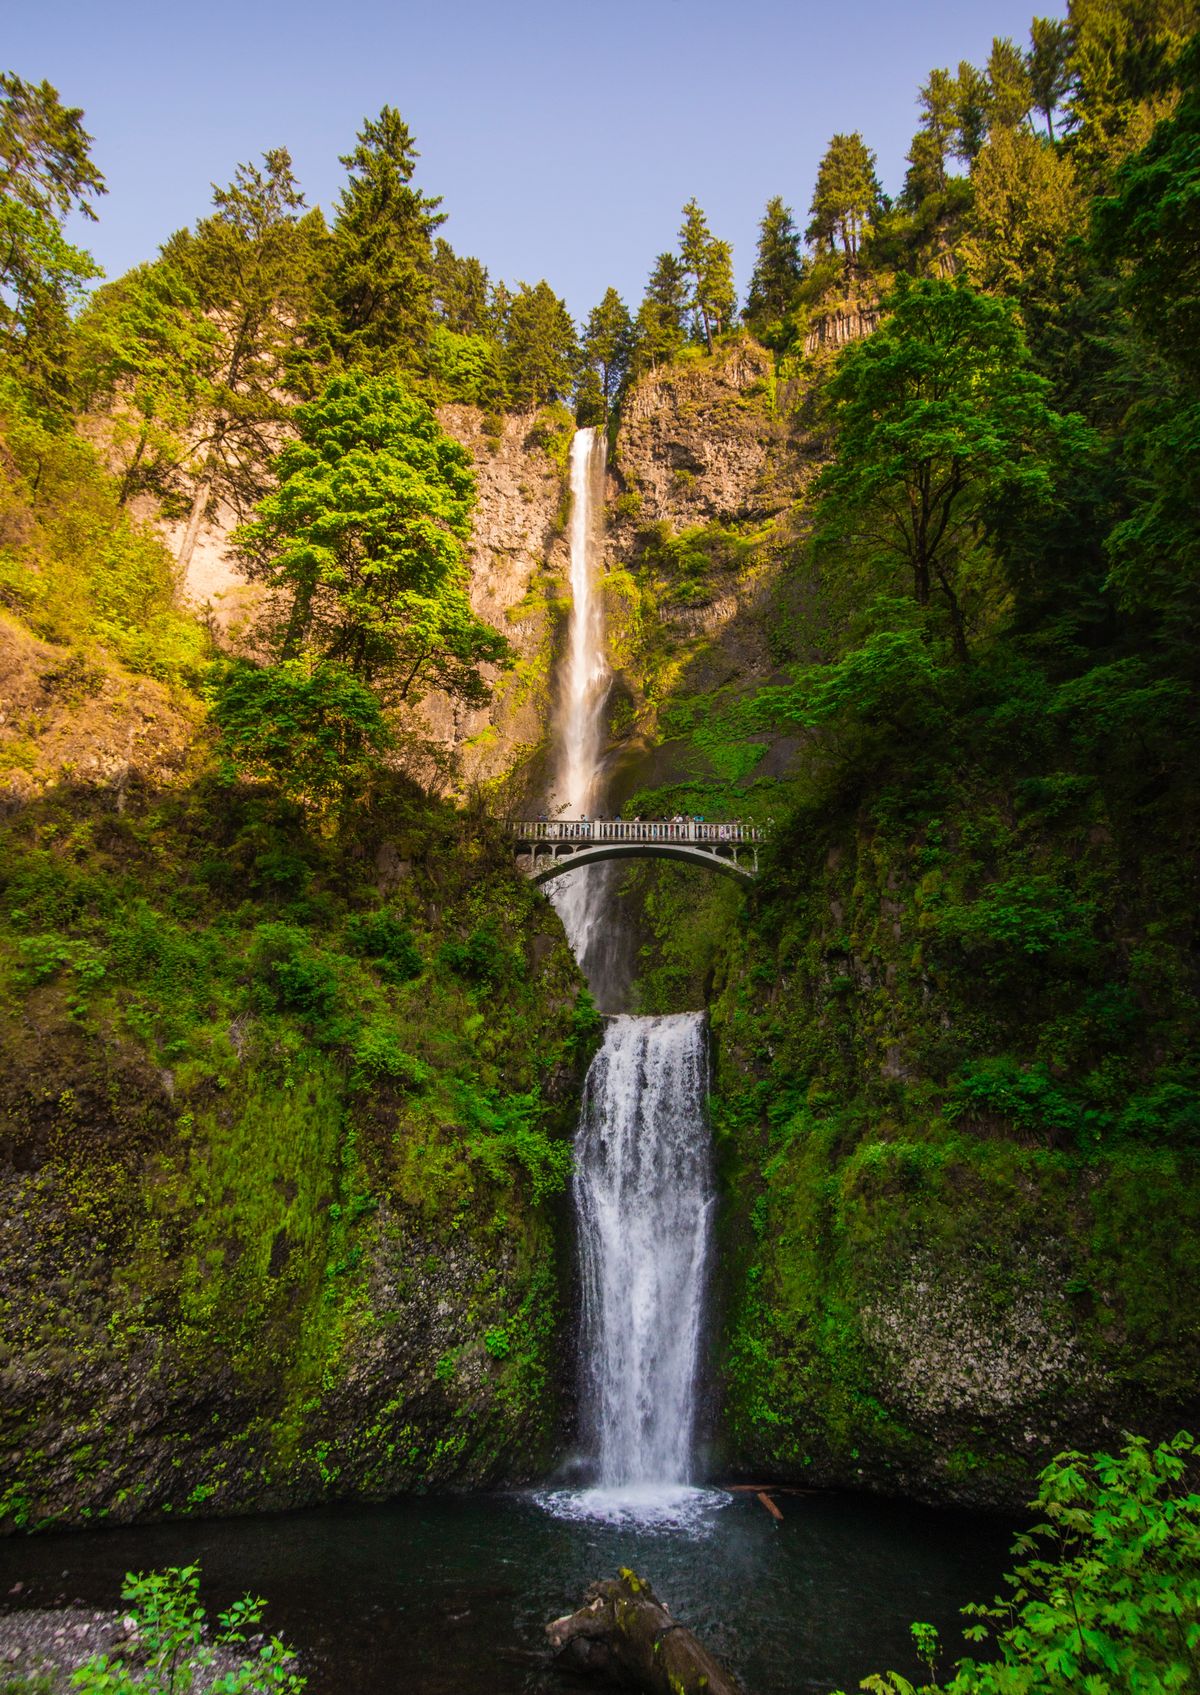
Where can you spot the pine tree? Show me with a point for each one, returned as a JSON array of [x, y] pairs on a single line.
[[606, 349], [460, 292], [708, 263], [1049, 66], [659, 327], [1010, 93], [376, 304], [847, 197], [539, 346], [778, 268], [46, 172]]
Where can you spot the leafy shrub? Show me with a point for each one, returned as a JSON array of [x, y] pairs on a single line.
[[176, 1646], [482, 959], [307, 726], [1023, 1095], [1107, 1599], [388, 944], [298, 977], [377, 1057]]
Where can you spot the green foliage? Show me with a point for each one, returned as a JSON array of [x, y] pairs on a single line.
[[363, 541], [374, 305], [540, 351], [308, 727], [605, 351], [942, 428], [778, 269], [847, 197], [76, 568], [659, 326], [707, 263], [178, 1648], [1107, 1597], [387, 943], [145, 353], [46, 172]]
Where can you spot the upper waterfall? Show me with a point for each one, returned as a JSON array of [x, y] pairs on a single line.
[[587, 676], [582, 897]]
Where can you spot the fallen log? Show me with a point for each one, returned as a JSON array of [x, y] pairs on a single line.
[[625, 1633]]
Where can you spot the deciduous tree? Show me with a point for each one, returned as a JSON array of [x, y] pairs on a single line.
[[941, 426], [363, 542]]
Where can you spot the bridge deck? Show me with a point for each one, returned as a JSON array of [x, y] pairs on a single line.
[[555, 845], [579, 830]]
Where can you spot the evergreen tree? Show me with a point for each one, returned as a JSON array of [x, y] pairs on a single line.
[[1010, 92], [46, 172], [605, 351], [934, 141], [364, 542], [249, 266], [708, 264], [375, 307], [971, 112], [1027, 207], [659, 327], [460, 292], [778, 268], [847, 197], [1049, 66], [539, 346]]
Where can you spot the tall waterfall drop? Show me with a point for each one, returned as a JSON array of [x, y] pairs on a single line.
[[582, 897], [643, 1187]]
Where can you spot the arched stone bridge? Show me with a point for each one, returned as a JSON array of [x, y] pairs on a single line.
[[548, 847]]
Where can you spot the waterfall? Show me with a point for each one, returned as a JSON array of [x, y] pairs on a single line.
[[643, 1191], [643, 1196], [583, 898]]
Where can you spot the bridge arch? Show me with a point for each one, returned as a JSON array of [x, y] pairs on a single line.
[[554, 862]]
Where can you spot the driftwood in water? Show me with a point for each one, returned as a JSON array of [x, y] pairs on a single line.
[[624, 1633]]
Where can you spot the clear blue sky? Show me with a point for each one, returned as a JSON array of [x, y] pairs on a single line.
[[564, 137]]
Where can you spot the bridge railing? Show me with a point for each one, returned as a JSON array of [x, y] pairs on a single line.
[[632, 830]]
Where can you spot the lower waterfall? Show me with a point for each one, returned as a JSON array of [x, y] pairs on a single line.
[[643, 1199]]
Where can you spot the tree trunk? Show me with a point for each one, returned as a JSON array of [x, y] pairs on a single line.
[[623, 1633], [195, 518], [131, 471]]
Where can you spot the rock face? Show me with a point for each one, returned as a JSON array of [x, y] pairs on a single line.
[[624, 1634], [519, 563], [63, 718], [839, 328]]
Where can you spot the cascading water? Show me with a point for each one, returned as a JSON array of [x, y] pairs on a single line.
[[643, 1180], [581, 897], [643, 1196]]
